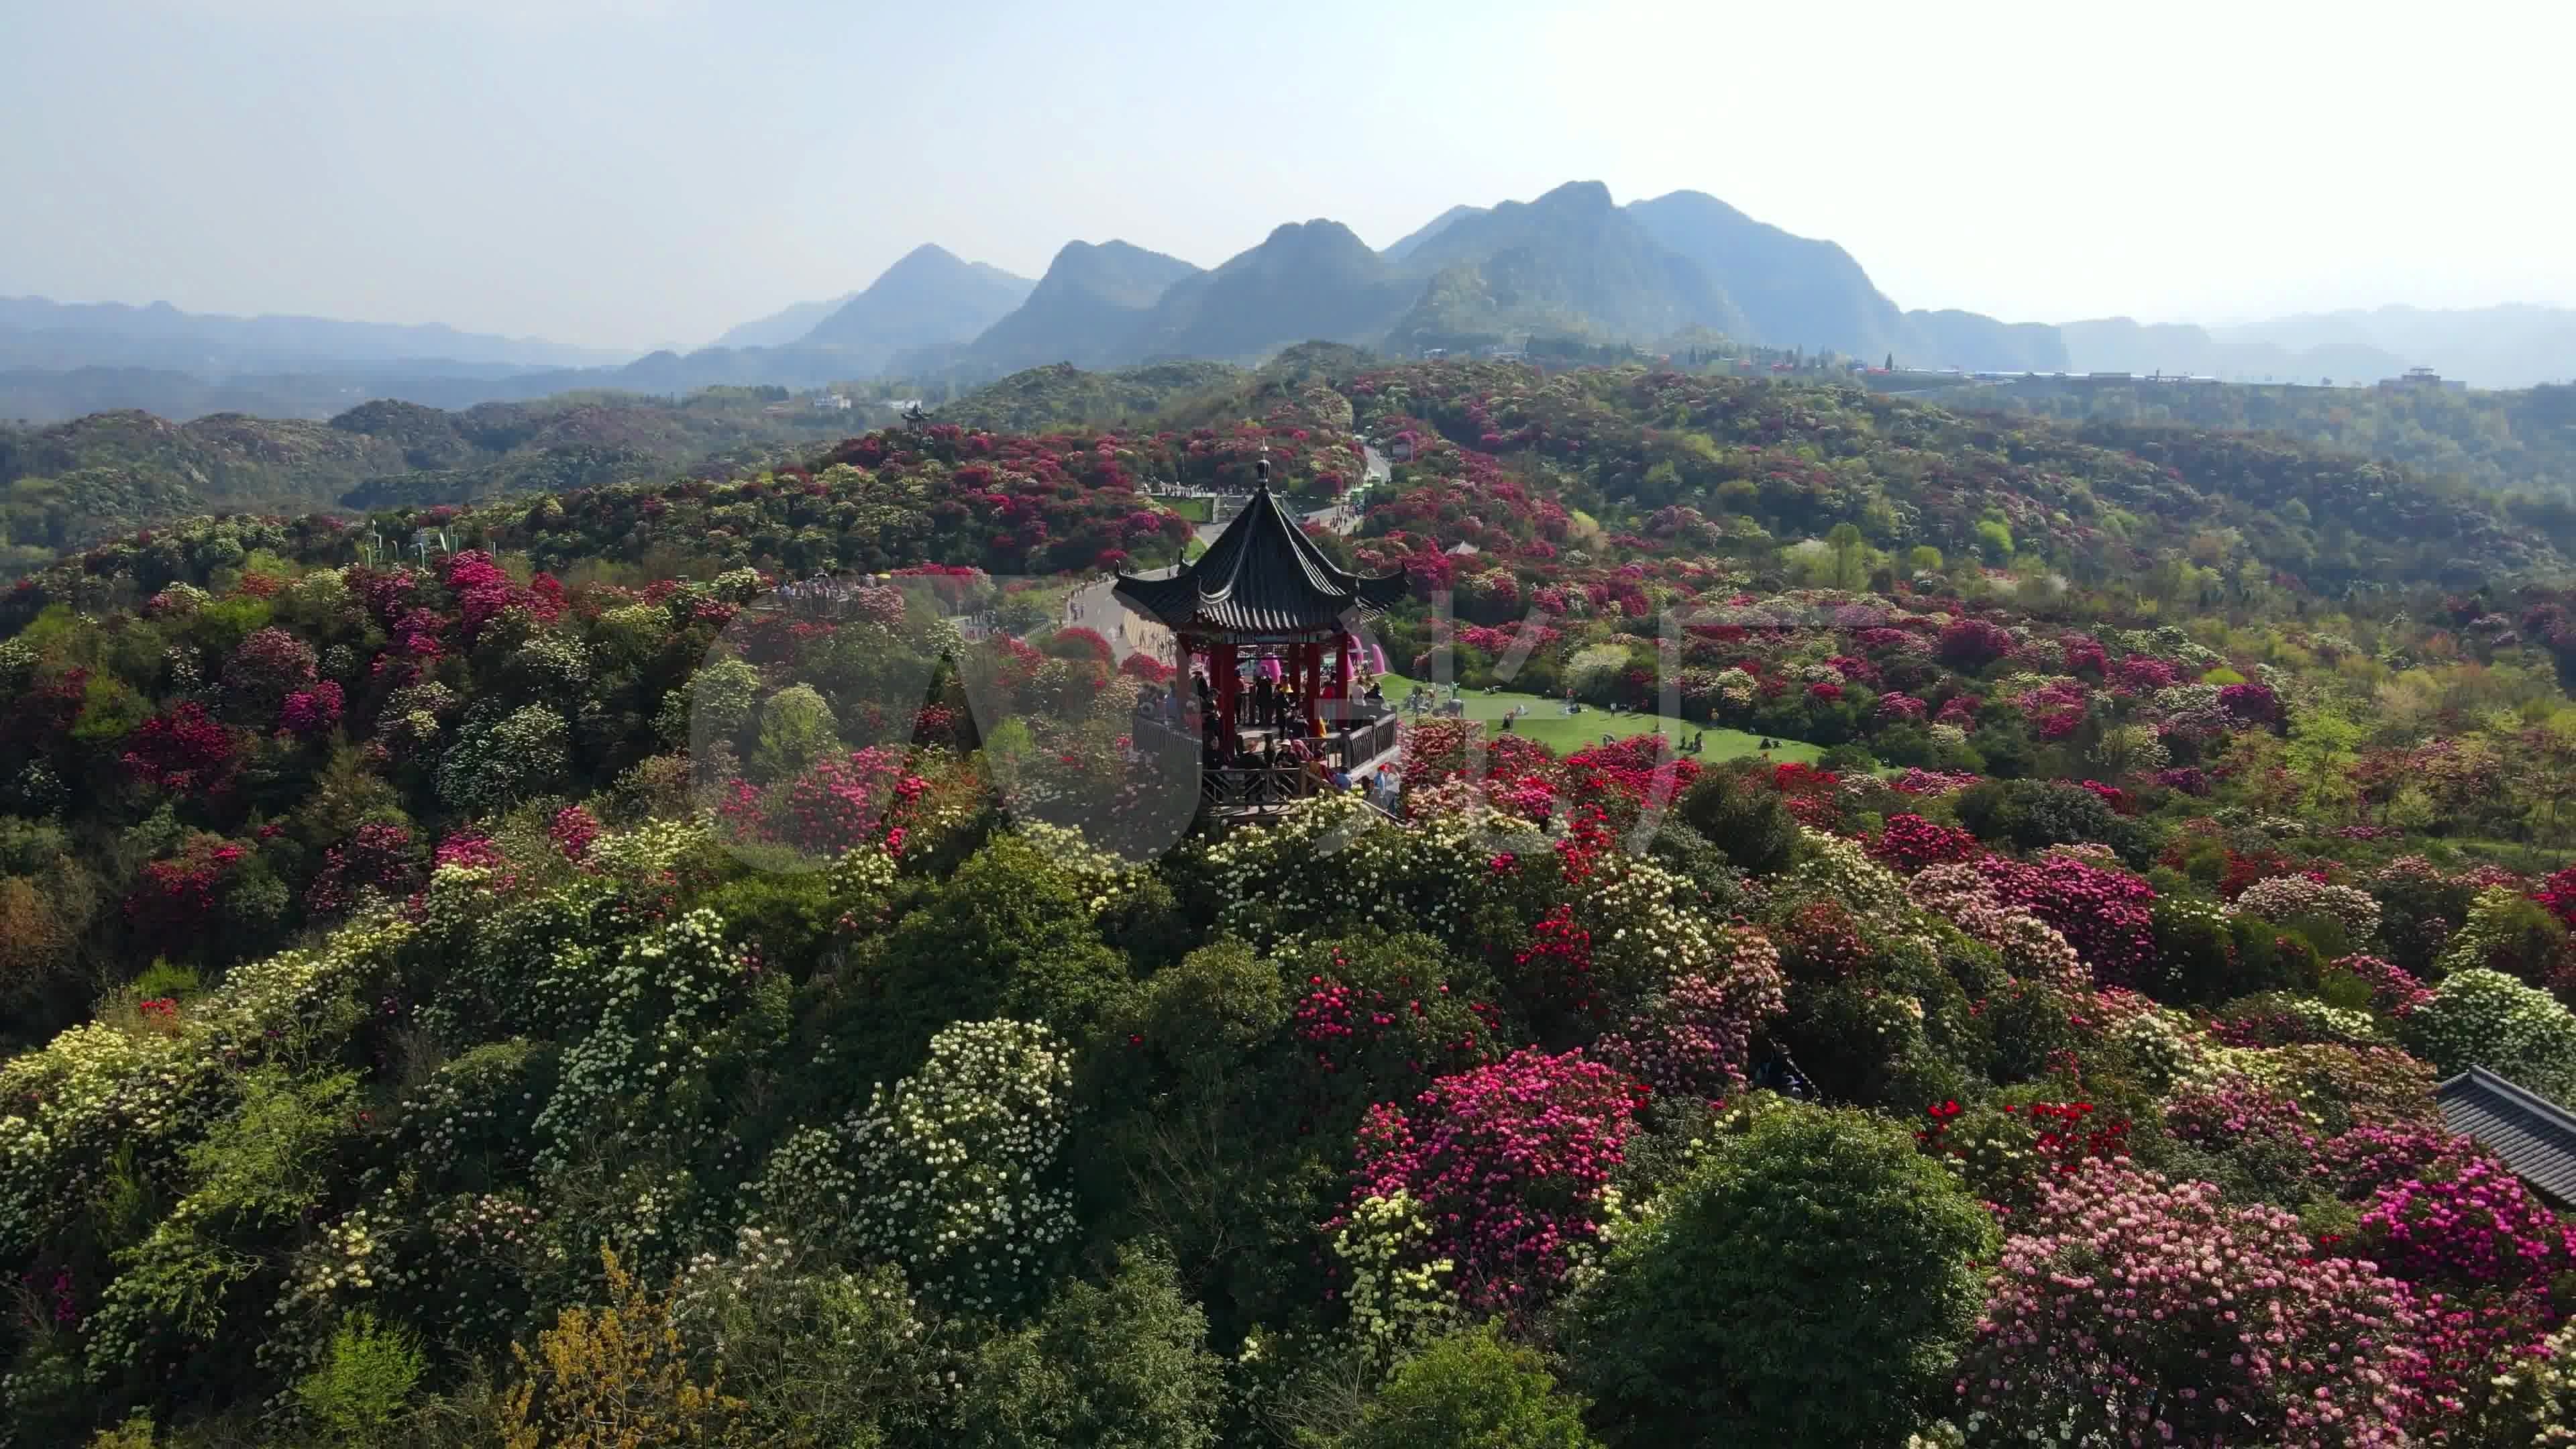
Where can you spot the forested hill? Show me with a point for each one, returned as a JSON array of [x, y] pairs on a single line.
[[468, 998], [69, 484], [2520, 441]]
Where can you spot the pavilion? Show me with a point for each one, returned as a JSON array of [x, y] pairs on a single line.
[[1264, 591]]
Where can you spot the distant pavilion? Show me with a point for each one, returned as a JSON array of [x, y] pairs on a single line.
[[1264, 592]]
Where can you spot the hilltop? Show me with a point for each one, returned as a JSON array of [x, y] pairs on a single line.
[[108, 473], [401, 959]]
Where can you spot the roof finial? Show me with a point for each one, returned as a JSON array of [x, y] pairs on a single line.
[[1261, 467]]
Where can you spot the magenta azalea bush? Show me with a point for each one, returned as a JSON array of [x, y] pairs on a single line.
[[1510, 1162]]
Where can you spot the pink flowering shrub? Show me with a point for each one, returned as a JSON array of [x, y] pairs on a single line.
[[2393, 989], [2131, 1309], [1509, 1163], [2357, 1164], [2235, 1112], [572, 830], [1694, 1039], [309, 714], [2469, 1223], [1933, 782], [2105, 913], [263, 670]]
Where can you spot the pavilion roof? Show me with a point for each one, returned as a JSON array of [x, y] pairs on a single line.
[[2535, 1137], [1262, 576]]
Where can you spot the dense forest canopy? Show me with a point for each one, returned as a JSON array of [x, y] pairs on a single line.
[[482, 973]]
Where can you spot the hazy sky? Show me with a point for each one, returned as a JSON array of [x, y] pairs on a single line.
[[636, 172]]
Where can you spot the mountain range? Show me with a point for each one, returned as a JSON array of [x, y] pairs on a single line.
[[1674, 270]]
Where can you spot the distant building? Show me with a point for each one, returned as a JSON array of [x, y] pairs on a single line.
[[831, 402], [2423, 377], [904, 404]]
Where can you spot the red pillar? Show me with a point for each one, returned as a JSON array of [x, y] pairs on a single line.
[[1314, 683], [1342, 667], [1226, 685]]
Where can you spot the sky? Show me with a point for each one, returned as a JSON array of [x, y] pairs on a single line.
[[635, 173]]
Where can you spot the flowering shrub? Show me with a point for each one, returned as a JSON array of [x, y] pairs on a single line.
[[2394, 991], [379, 857], [1908, 843], [2105, 913], [2355, 1165], [2235, 1114], [2003, 1152], [1395, 1287], [1694, 1038], [957, 1164], [2486, 1018], [1510, 1163], [2287, 900], [174, 902], [2469, 1223], [2281, 1018], [2133, 1307], [184, 750]]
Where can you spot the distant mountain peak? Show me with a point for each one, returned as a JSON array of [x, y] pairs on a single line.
[[1577, 196], [929, 297]]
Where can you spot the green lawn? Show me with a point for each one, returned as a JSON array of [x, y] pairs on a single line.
[[1196, 510], [1547, 723]]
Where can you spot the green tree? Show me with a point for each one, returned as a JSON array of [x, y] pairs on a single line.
[[363, 1382], [1473, 1389], [1747, 822], [1850, 549], [2324, 743], [1119, 1366], [796, 728], [1809, 1284]]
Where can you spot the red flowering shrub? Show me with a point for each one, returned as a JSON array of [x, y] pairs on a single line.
[[1509, 1162], [2252, 704], [1971, 644], [172, 907], [379, 856], [1908, 843], [1810, 794], [185, 750], [310, 714]]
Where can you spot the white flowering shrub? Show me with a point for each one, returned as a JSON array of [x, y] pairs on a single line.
[[1397, 1297], [2482, 1018], [659, 1002], [98, 1090], [959, 1162], [2286, 900], [525, 752]]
